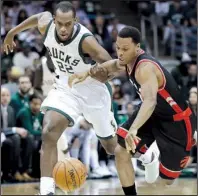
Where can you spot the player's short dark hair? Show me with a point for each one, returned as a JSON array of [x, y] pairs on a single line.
[[65, 6], [35, 96], [130, 32]]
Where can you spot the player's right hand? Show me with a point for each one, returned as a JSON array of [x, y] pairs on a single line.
[[9, 43], [77, 78], [131, 140]]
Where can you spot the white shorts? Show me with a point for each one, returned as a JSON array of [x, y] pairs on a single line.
[[93, 101]]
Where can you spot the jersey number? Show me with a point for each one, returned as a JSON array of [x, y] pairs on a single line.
[[64, 67]]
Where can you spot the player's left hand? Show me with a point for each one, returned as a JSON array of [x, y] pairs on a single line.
[[77, 78], [131, 140]]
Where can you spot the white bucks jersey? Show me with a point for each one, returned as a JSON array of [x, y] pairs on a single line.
[[67, 56]]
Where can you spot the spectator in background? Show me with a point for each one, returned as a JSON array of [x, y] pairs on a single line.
[[98, 37], [192, 76], [109, 44], [129, 111], [21, 98], [115, 24], [162, 8], [7, 25], [176, 12], [100, 27], [14, 12], [30, 118], [191, 37], [11, 161], [37, 43], [182, 70], [12, 76], [193, 90], [6, 159], [190, 80], [26, 58], [22, 15], [190, 8], [80, 13], [33, 7], [2, 24], [118, 95], [6, 63], [4, 15], [175, 18], [193, 101]]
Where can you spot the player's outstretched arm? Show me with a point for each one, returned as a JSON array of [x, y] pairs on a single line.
[[40, 21], [106, 71], [146, 77], [103, 72]]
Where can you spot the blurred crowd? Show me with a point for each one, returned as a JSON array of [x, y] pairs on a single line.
[[177, 24], [27, 76]]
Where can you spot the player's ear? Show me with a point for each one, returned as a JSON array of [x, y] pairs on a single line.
[[138, 47]]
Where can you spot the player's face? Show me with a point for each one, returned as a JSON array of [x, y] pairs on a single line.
[[126, 50], [64, 23], [35, 105]]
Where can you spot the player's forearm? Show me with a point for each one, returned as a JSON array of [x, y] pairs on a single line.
[[105, 70], [29, 23], [102, 57], [144, 113]]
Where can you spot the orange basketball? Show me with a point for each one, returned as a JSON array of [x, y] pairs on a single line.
[[69, 174]]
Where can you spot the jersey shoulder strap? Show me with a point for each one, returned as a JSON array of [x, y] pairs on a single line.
[[47, 29]]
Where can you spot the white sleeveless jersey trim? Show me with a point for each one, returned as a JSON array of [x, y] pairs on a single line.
[[67, 59]]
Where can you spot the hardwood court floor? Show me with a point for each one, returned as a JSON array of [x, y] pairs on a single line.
[[111, 186]]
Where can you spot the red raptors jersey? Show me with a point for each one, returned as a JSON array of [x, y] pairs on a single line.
[[170, 101]]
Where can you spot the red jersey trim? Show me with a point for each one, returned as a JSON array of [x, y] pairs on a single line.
[[164, 79]]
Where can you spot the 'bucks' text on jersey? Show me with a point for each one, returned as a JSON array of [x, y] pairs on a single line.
[[67, 56]]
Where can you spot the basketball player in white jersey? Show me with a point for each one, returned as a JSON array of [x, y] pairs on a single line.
[[68, 44]]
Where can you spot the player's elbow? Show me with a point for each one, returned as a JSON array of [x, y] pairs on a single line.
[[44, 14]]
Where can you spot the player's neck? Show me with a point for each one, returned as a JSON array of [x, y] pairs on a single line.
[[138, 53]]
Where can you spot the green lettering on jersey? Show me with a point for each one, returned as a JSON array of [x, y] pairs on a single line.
[[67, 59], [50, 54], [61, 55], [75, 62], [55, 53], [64, 62]]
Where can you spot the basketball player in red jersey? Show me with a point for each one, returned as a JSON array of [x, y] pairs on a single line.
[[163, 116]]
